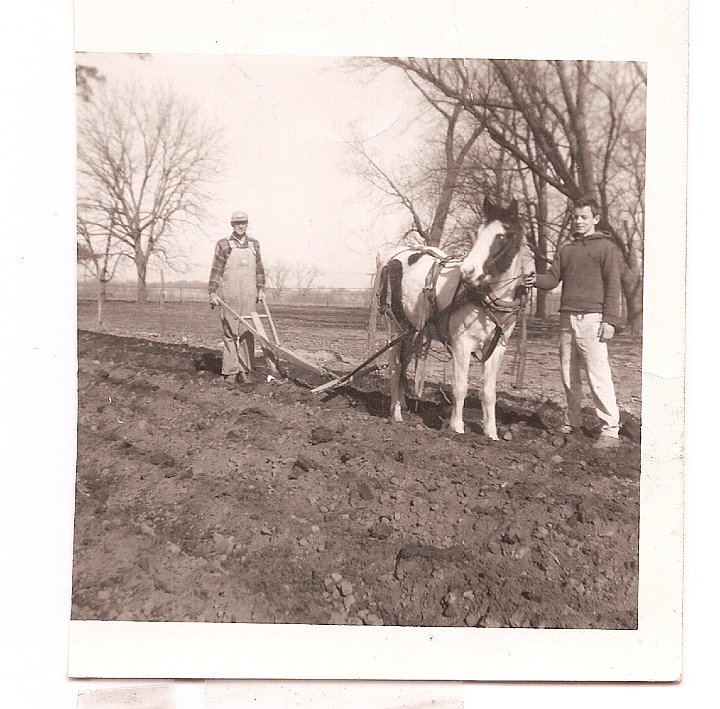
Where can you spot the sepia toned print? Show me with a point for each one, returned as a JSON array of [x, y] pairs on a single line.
[[206, 499]]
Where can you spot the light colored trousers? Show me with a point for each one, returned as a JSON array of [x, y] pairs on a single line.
[[580, 348]]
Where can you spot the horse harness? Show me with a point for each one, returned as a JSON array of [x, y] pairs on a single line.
[[496, 308], [431, 318]]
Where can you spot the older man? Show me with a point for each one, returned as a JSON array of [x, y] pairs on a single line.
[[238, 278]]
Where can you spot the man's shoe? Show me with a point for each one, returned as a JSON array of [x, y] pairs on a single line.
[[606, 443], [243, 378], [230, 378]]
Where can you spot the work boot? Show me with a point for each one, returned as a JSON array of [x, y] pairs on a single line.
[[243, 378], [229, 378], [606, 443]]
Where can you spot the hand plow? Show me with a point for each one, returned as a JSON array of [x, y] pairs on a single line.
[[279, 355], [275, 353]]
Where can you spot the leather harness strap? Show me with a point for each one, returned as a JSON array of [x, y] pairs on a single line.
[[429, 303], [491, 306], [430, 315]]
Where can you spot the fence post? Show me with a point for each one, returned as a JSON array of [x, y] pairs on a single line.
[[162, 302], [522, 347]]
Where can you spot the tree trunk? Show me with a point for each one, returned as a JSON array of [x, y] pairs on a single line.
[[102, 292], [141, 296], [632, 285], [453, 163], [441, 213], [522, 347], [141, 267], [586, 176]]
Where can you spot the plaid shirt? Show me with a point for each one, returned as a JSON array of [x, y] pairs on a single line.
[[222, 251]]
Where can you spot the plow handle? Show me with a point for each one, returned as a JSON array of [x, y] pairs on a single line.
[[273, 331]]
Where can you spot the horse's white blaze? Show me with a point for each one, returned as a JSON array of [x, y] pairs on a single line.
[[473, 265]]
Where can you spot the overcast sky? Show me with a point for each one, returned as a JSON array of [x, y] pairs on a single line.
[[286, 121]]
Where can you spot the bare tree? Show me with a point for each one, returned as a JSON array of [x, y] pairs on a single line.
[[426, 187], [278, 273], [144, 163], [85, 75], [571, 129], [97, 255], [304, 277]]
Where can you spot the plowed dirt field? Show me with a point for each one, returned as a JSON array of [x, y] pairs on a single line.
[[200, 500]]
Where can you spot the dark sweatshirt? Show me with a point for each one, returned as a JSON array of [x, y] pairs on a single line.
[[589, 268]]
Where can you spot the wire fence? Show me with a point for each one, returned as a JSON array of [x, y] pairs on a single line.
[[315, 297], [330, 297]]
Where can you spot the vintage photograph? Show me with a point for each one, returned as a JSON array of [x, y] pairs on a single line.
[[359, 340]]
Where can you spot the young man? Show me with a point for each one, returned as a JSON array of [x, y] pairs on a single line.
[[238, 278], [589, 267]]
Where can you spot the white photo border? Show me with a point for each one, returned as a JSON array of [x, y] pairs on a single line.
[[646, 31]]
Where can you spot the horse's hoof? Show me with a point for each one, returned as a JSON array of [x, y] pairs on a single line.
[[458, 429]]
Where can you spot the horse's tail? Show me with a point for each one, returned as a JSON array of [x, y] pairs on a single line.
[[390, 292]]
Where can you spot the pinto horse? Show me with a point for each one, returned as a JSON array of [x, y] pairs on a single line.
[[470, 304]]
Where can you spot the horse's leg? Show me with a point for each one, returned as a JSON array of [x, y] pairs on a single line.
[[461, 364], [406, 354], [398, 361], [489, 391], [397, 394]]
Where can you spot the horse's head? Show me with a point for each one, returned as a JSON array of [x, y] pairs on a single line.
[[498, 242]]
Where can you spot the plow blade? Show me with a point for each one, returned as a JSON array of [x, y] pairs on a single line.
[[367, 367]]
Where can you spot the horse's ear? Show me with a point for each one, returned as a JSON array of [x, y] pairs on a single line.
[[488, 207], [513, 209]]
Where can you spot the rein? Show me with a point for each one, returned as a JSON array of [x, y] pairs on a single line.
[[488, 301], [492, 305]]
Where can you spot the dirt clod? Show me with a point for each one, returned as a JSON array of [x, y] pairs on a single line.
[[321, 434], [305, 464], [163, 460]]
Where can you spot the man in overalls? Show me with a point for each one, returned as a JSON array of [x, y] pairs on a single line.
[[238, 278]]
